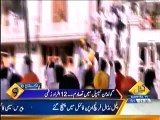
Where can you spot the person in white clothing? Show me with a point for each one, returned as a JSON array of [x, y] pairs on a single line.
[[81, 50], [111, 17], [122, 14], [96, 65], [79, 73], [102, 19], [112, 77], [124, 33], [112, 40], [50, 75], [94, 35], [101, 47], [100, 50]]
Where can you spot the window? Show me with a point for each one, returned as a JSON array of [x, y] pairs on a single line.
[[48, 50], [14, 6], [59, 10]]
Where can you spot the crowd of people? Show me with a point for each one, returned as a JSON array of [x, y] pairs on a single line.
[[95, 56], [86, 76]]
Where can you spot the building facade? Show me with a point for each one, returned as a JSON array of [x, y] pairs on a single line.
[[56, 26]]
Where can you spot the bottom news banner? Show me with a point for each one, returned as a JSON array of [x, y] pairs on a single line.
[[60, 107]]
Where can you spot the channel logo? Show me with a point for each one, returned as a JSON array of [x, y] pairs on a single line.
[[14, 91], [139, 89]]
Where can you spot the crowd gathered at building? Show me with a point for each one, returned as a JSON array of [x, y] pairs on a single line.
[[94, 64]]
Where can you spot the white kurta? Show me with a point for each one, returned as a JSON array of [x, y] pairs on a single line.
[[112, 45], [80, 75], [94, 36], [124, 18], [112, 77], [112, 39], [124, 33], [103, 20], [101, 48], [24, 69], [107, 35], [123, 38], [50, 75], [111, 17], [82, 53], [96, 66]]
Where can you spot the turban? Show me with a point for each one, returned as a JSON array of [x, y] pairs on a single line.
[[91, 57], [82, 42]]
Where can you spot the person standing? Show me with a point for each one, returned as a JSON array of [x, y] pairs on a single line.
[[124, 31], [112, 77], [102, 18], [112, 39], [149, 79], [81, 50], [100, 47], [80, 72], [88, 76], [119, 75], [50, 74], [101, 79], [4, 81], [123, 83], [69, 81], [29, 76], [13, 75], [94, 36]]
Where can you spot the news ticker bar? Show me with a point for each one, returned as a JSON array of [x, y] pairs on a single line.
[[61, 107], [17, 91], [81, 117], [72, 93]]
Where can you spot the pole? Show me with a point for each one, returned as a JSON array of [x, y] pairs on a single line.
[[26, 27]]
